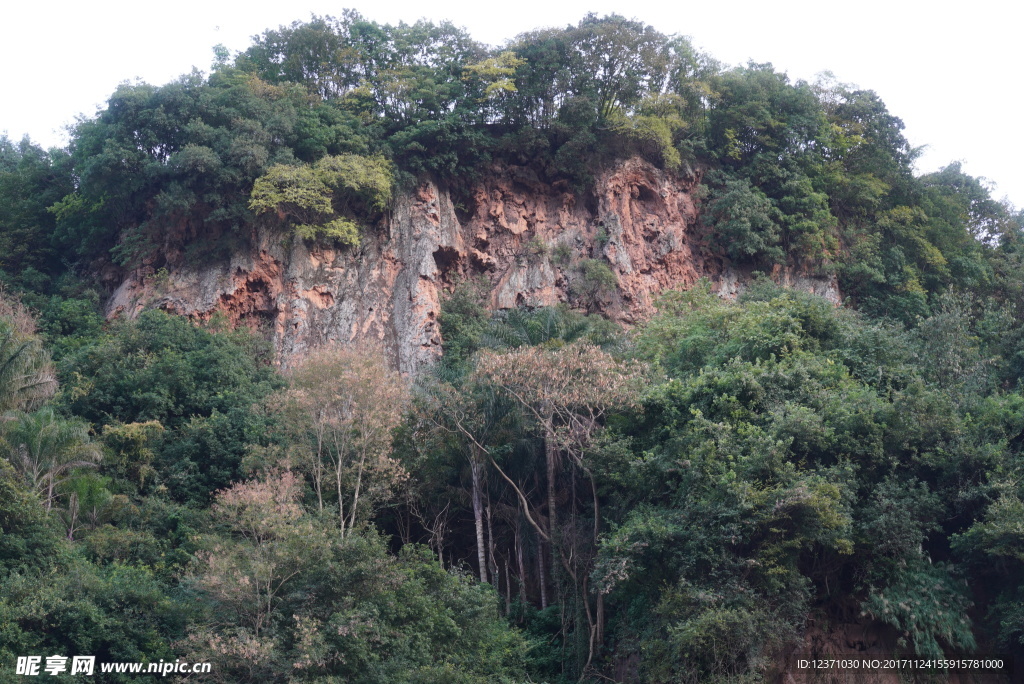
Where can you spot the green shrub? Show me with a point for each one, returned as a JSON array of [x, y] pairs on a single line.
[[561, 254], [742, 221], [319, 200], [594, 282]]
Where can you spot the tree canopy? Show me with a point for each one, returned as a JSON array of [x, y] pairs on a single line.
[[557, 499]]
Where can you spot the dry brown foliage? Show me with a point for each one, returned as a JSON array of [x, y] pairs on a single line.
[[342, 405]]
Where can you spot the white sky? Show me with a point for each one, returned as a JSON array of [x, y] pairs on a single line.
[[951, 72]]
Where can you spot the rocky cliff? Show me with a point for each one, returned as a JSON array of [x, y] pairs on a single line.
[[536, 244]]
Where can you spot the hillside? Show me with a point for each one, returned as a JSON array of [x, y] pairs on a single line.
[[377, 354]]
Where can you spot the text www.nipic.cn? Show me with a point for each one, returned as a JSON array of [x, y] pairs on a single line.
[[86, 665]]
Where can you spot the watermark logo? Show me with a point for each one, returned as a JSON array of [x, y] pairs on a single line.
[[55, 665], [32, 666]]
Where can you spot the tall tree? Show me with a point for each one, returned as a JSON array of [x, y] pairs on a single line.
[[567, 391], [342, 406]]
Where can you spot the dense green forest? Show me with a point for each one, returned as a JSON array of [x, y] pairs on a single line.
[[557, 499]]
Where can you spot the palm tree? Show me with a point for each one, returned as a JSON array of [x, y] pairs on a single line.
[[47, 449], [530, 327], [26, 374]]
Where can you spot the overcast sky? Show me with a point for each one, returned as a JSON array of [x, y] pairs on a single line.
[[954, 77]]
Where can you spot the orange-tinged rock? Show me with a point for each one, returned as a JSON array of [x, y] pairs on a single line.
[[526, 238]]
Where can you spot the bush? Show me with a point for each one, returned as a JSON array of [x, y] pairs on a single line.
[[742, 221], [594, 282], [201, 387], [319, 200]]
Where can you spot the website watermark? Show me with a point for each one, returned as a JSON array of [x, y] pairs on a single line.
[[31, 666]]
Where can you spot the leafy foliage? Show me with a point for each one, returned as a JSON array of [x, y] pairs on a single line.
[[47, 449], [201, 387], [293, 601], [772, 467], [308, 195], [674, 504], [30, 181], [743, 222], [341, 409]]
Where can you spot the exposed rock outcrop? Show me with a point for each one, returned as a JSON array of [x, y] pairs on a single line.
[[536, 244]]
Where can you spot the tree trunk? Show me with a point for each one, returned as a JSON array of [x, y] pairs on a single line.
[[359, 484], [520, 562], [597, 530], [475, 468], [341, 501], [318, 465], [542, 576], [508, 589], [551, 456], [492, 564]]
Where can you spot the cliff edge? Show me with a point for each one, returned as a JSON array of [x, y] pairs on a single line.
[[611, 250]]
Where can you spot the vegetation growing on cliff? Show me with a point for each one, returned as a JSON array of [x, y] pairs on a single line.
[[557, 500], [308, 195], [316, 121]]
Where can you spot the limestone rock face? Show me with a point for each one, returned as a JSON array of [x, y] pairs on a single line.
[[535, 244]]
